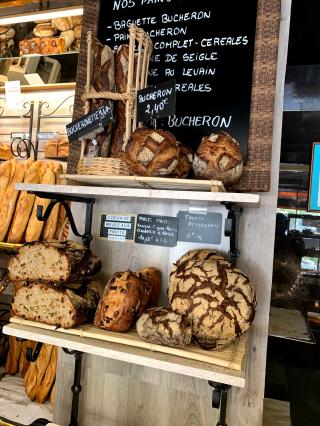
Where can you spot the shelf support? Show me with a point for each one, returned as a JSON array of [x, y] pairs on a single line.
[[33, 356], [219, 400], [76, 387], [231, 229]]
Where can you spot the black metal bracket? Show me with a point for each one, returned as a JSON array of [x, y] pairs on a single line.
[[63, 199], [76, 387], [219, 400], [231, 229], [33, 356]]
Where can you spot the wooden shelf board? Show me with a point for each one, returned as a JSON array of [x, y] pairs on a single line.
[[135, 355], [249, 200], [9, 246]]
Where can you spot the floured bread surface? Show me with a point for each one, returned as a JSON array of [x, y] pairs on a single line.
[[163, 327], [217, 298]]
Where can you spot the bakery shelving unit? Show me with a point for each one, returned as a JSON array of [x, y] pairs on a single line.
[[220, 378]]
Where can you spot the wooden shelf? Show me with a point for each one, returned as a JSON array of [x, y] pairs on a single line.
[[135, 355], [249, 200], [9, 246]]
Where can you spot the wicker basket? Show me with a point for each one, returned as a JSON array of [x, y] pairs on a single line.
[[140, 49]]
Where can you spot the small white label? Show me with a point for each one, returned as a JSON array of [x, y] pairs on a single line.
[[13, 95], [118, 225], [116, 238]]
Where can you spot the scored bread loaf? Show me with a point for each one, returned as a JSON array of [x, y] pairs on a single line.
[[13, 356], [50, 226], [44, 30], [184, 164], [53, 261], [23, 362], [5, 173], [24, 206], [153, 276], [49, 377], [163, 327], [63, 24], [35, 226], [10, 197], [58, 306], [37, 370]]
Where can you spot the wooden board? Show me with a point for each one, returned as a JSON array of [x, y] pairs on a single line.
[[9, 246], [231, 357], [130, 354], [289, 324]]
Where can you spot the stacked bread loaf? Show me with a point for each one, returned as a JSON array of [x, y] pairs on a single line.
[[57, 147], [54, 283], [53, 37], [7, 34], [39, 376], [210, 300], [18, 209]]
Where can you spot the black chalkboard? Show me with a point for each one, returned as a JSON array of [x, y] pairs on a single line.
[[200, 228], [207, 46], [157, 230], [117, 227], [157, 101], [94, 121]]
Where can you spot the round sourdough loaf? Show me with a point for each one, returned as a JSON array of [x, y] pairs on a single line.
[[163, 327], [151, 152], [44, 30], [216, 298], [185, 160], [219, 157]]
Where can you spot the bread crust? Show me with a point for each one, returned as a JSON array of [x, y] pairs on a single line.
[[184, 164]]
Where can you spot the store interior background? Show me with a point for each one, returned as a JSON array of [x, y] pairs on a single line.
[[293, 367]]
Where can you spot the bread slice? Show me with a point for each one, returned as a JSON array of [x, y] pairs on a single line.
[[57, 306], [53, 261]]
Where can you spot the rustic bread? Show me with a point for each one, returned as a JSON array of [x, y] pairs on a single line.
[[184, 164], [62, 24], [163, 327], [50, 46], [63, 147], [5, 152], [201, 255], [24, 206], [8, 34], [53, 261], [49, 377], [59, 306], [68, 37], [23, 362], [151, 152], [51, 148], [216, 298], [12, 362], [77, 32], [153, 276], [120, 302], [5, 173], [219, 157], [44, 30]]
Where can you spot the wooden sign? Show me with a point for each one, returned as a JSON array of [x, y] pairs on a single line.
[[200, 228], [94, 121], [117, 227], [157, 101], [157, 230]]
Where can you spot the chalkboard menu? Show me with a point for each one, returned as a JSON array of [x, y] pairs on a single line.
[[207, 46], [200, 228], [117, 227], [157, 230]]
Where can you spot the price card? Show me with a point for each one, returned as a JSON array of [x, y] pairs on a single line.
[[157, 101], [200, 228], [117, 226], [157, 230], [91, 123]]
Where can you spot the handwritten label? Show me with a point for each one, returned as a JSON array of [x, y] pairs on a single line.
[[94, 122], [157, 101], [117, 227], [157, 230], [200, 228]]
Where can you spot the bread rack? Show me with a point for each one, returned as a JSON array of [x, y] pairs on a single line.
[[138, 68]]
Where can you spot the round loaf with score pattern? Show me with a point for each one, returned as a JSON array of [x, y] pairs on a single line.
[[184, 164], [215, 297], [151, 152]]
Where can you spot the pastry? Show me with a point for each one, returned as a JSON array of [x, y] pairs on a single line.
[[153, 276], [163, 327], [120, 302], [13, 356], [219, 157], [5, 152], [49, 377], [216, 298], [151, 152], [24, 206], [184, 164], [51, 148], [44, 30], [68, 37], [53, 261], [55, 305]]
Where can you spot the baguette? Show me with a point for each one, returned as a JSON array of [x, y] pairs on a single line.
[[12, 362], [35, 226], [53, 394], [49, 377], [23, 363], [5, 172], [24, 206], [10, 197], [37, 369], [61, 224], [50, 227]]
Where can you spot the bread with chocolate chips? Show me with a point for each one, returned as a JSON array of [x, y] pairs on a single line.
[[163, 327], [216, 298]]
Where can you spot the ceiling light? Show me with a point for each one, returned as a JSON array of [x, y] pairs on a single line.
[[39, 16]]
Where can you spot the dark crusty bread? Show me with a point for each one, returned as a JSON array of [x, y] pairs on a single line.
[[53, 261], [216, 298], [163, 327], [153, 276], [219, 157], [151, 152], [184, 164], [57, 306], [120, 303]]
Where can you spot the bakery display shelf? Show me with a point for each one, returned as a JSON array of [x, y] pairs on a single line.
[[119, 347], [243, 199]]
